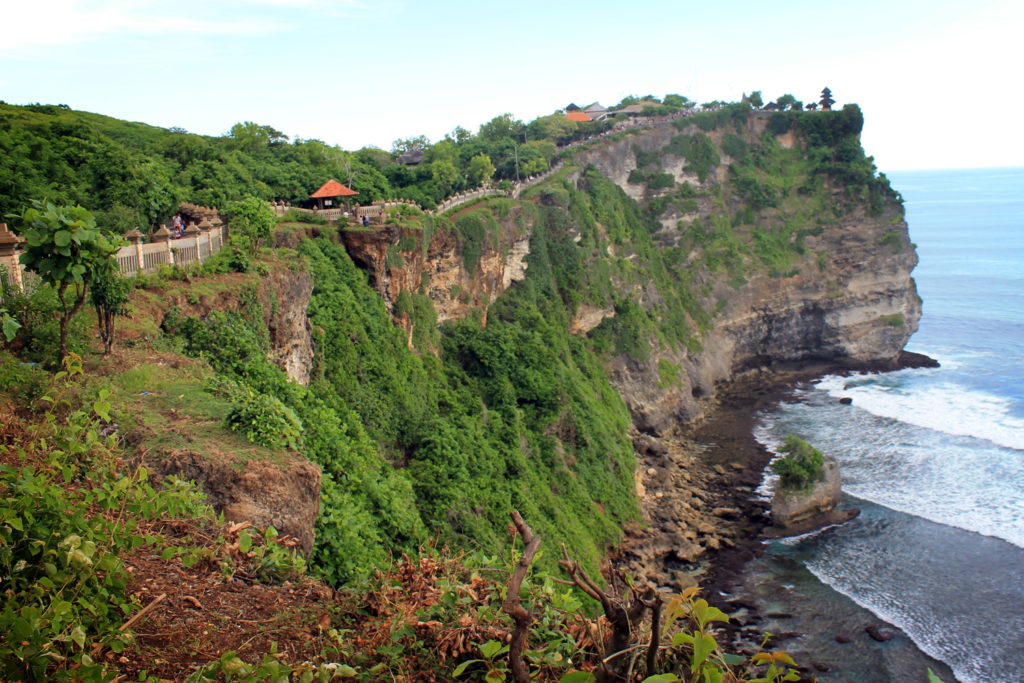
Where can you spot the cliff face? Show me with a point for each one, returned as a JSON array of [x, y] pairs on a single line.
[[850, 298], [845, 295], [397, 260], [287, 294]]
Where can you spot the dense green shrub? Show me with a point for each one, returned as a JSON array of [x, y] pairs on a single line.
[[700, 152], [801, 466], [735, 146], [263, 419], [294, 216]]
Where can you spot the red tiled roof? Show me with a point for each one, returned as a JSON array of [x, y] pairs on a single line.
[[577, 116], [332, 188]]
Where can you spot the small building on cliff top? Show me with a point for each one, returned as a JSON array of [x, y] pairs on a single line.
[[329, 191]]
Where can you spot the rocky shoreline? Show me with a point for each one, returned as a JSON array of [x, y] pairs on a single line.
[[705, 525]]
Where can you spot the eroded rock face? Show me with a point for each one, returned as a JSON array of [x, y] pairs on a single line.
[[291, 339], [790, 507], [286, 496], [397, 260]]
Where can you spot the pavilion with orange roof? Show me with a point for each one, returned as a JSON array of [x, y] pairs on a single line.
[[329, 190]]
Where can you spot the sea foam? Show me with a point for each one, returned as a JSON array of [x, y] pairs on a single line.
[[940, 406]]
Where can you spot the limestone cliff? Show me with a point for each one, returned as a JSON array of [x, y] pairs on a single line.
[[851, 299], [430, 261], [730, 247], [846, 294]]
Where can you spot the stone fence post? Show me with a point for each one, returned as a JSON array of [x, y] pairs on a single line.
[[134, 238], [206, 229], [9, 257], [162, 234]]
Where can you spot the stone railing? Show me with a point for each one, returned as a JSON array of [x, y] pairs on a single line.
[[10, 255], [199, 243], [469, 196], [518, 188], [375, 213], [395, 203]]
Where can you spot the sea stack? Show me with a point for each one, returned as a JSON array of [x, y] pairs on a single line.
[[804, 507]]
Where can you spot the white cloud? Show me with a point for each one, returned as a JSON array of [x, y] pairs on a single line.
[[59, 22]]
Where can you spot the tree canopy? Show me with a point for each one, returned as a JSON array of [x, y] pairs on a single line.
[[65, 249]]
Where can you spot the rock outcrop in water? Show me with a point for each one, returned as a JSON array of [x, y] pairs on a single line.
[[791, 507]]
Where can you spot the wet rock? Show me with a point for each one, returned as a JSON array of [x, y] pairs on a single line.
[[846, 400], [821, 666], [880, 635], [779, 615], [789, 507], [843, 639]]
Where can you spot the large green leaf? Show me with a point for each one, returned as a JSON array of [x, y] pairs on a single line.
[[702, 649]]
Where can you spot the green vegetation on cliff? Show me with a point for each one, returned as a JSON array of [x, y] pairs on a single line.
[[440, 433]]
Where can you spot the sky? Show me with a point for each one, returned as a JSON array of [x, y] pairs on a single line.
[[938, 81]]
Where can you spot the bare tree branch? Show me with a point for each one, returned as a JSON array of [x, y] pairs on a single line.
[[623, 618], [512, 605]]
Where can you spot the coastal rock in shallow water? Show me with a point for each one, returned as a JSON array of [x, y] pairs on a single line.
[[880, 635], [790, 507]]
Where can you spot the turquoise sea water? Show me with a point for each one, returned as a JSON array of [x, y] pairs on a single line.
[[935, 457]]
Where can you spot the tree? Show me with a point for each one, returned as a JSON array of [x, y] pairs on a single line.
[[445, 173], [503, 126], [787, 101], [755, 99], [460, 135], [66, 249], [826, 100], [554, 127], [109, 296], [480, 169], [253, 218], [403, 145], [251, 136]]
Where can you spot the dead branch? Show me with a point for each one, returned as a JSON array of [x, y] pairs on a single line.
[[142, 612], [513, 607], [652, 649], [623, 617]]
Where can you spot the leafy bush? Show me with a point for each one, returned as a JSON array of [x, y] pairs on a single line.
[[65, 248], [735, 146], [37, 311], [801, 466], [253, 219], [263, 419]]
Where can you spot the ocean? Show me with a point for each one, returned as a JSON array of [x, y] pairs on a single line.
[[934, 458]]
